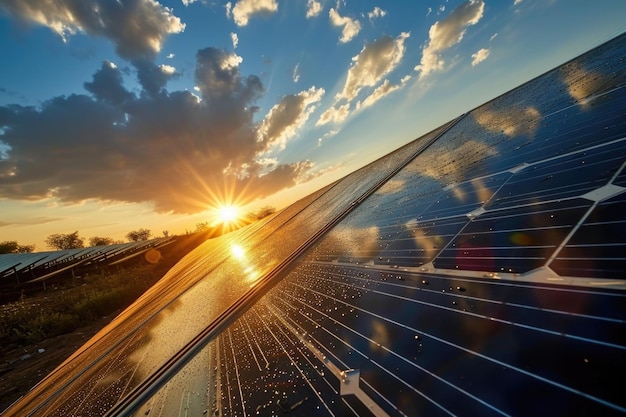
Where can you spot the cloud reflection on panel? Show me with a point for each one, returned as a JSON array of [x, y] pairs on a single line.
[[349, 243], [583, 85], [511, 121]]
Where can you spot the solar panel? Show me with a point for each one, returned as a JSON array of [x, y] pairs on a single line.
[[477, 270]]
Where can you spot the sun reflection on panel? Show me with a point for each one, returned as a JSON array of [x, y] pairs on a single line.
[[249, 272], [238, 252]]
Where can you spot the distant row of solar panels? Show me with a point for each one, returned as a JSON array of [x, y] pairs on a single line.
[[32, 267]]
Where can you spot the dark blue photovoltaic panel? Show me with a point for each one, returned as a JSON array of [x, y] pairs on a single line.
[[620, 180], [598, 247], [464, 198], [560, 178], [419, 242], [513, 240], [434, 345]]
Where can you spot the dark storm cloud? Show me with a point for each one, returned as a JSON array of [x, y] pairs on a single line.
[[107, 85], [174, 149], [153, 78], [218, 78], [138, 28]]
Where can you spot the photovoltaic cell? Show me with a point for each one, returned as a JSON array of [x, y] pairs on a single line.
[[514, 240], [598, 247], [561, 178]]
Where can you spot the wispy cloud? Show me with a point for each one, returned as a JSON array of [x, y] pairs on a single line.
[[380, 92], [295, 76], [350, 27], [326, 135], [34, 221], [479, 56], [447, 33]]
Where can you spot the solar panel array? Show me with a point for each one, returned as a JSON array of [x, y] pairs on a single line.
[[477, 271], [23, 268]]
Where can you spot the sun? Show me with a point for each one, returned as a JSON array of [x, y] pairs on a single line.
[[227, 214]]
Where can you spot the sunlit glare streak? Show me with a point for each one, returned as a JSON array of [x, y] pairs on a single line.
[[250, 274]]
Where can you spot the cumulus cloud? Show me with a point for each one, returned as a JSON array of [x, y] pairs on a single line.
[[243, 10], [174, 149], [107, 85], [351, 27], [370, 66], [153, 78], [373, 63], [234, 39], [377, 12], [287, 117], [380, 92], [313, 8], [138, 28], [334, 114], [479, 56], [447, 33]]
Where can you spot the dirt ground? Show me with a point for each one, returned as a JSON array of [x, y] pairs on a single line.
[[22, 367]]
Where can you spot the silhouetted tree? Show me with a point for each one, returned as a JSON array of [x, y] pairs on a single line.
[[137, 235], [100, 241], [11, 246], [261, 213], [202, 227], [62, 241]]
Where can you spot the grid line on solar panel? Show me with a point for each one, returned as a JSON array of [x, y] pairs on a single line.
[[498, 291], [556, 178], [518, 229], [417, 249], [533, 317], [351, 348], [464, 197], [378, 311], [598, 246]]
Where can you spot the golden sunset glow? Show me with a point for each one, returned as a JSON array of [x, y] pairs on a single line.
[[227, 214]]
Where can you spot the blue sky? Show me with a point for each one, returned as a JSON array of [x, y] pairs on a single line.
[[128, 114]]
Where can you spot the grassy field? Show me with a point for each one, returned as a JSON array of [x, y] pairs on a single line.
[[42, 328]]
